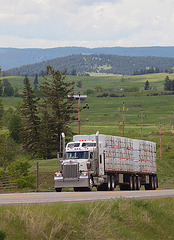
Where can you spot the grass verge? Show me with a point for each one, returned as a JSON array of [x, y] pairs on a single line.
[[116, 219]]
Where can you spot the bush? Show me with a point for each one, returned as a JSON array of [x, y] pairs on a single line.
[[20, 168], [8, 150], [20, 171], [2, 235], [103, 95], [26, 182], [113, 95]]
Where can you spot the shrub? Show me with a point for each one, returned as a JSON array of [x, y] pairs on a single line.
[[26, 182], [103, 95], [2, 235], [20, 168]]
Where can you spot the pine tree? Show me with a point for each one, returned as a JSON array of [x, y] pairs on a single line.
[[15, 128], [56, 92], [1, 106], [30, 120], [36, 82], [146, 87], [1, 113], [46, 132], [167, 84]]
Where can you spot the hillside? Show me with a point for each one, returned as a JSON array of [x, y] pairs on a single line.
[[14, 57], [102, 63]]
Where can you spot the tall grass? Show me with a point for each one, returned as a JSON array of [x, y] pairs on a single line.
[[116, 219]]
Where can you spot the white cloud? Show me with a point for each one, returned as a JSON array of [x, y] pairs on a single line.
[[39, 23]]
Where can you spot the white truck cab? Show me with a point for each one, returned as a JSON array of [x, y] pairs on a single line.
[[75, 169]]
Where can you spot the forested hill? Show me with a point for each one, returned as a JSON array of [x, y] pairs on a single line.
[[102, 63], [14, 57]]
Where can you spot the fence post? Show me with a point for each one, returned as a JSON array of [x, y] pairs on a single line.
[[37, 176]]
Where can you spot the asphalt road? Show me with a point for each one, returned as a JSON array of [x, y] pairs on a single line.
[[55, 197]]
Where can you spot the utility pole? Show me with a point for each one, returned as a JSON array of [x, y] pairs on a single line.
[[79, 108], [79, 115], [123, 121], [160, 143], [142, 123]]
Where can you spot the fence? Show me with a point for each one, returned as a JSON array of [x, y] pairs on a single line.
[[7, 184]]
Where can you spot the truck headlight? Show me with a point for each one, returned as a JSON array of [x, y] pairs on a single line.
[[58, 174], [84, 174]]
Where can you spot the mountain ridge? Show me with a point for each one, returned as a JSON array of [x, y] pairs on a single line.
[[16, 57], [98, 63]]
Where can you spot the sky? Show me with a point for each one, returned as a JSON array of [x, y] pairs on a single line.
[[86, 23]]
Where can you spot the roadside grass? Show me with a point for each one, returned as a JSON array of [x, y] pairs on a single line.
[[114, 219]]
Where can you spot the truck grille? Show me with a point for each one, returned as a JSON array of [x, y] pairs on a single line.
[[71, 171]]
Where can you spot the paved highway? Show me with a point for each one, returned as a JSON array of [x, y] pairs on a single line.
[[55, 197]]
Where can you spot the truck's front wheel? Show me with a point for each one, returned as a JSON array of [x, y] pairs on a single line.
[[90, 184]]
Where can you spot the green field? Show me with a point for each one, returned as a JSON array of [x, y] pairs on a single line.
[[114, 82]]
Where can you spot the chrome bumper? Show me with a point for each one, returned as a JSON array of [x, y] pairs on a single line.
[[59, 182]]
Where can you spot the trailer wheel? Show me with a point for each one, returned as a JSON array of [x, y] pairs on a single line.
[[58, 189], [155, 182], [152, 183], [131, 182], [134, 182], [112, 183], [138, 183], [150, 186]]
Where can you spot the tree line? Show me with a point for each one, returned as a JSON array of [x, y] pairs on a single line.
[[99, 63], [37, 124]]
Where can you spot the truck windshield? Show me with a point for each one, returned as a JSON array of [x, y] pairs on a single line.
[[77, 155]]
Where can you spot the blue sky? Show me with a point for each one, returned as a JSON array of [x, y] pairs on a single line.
[[87, 23]]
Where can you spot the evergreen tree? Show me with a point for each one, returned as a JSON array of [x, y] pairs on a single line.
[[167, 84], [1, 89], [1, 106], [1, 113], [8, 91], [15, 128], [172, 85], [46, 132], [73, 72], [79, 84], [36, 82], [146, 87], [30, 120], [55, 91]]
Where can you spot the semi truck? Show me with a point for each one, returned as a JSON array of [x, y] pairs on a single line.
[[106, 161]]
